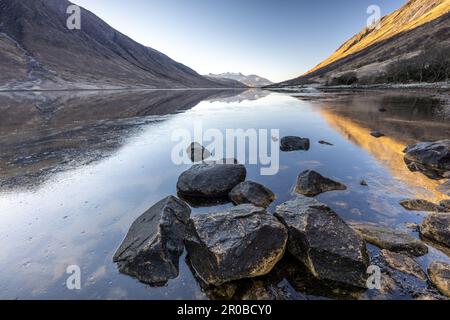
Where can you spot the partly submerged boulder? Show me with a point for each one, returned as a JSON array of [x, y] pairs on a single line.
[[430, 158], [421, 205], [291, 143], [242, 242], [436, 227], [210, 180], [325, 244], [392, 240], [311, 183], [440, 276], [252, 192], [154, 243], [403, 263], [197, 152]]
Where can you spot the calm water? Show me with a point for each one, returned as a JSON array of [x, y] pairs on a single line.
[[76, 170]]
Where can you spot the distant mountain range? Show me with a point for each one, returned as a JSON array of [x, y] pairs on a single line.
[[412, 44], [38, 51], [250, 80]]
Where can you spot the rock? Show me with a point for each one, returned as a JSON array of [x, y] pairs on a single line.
[[325, 244], [310, 184], [364, 183], [382, 110], [436, 227], [251, 192], [440, 276], [154, 243], [446, 175], [294, 144], [444, 188], [222, 161], [243, 242], [412, 226], [403, 263], [391, 240], [445, 204], [326, 143], [421, 205], [377, 134], [197, 152], [210, 180], [430, 158]]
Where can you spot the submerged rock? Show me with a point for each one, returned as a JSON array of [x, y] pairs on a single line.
[[436, 227], [444, 188], [325, 244], [210, 180], [389, 239], [326, 143], [377, 134], [421, 205], [154, 243], [197, 152], [403, 263], [440, 276], [243, 242], [252, 192], [310, 184], [364, 183], [294, 144], [430, 158]]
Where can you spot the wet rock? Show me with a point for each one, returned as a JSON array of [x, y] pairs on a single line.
[[197, 152], [436, 227], [421, 205], [252, 192], [412, 226], [310, 184], [325, 244], [440, 276], [222, 161], [382, 110], [294, 144], [430, 158], [403, 263], [364, 183], [243, 242], [154, 243], [445, 204], [210, 180], [326, 143], [259, 290], [444, 188], [389, 239], [377, 134]]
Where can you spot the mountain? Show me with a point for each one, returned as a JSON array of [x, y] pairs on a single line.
[[38, 51], [407, 42], [250, 80], [227, 82]]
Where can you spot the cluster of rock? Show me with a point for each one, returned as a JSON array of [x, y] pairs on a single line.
[[246, 241]]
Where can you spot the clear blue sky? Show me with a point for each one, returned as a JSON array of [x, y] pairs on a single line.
[[278, 39]]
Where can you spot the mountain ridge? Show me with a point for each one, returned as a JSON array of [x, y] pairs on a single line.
[[39, 52], [251, 80]]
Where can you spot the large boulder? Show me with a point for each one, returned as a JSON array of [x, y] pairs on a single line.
[[210, 180], [252, 192], [154, 243], [242, 242], [445, 204], [311, 183], [436, 227], [421, 205], [440, 276], [430, 158], [392, 240], [323, 242], [291, 143]]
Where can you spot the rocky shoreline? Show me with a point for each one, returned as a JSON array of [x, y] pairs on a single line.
[[228, 247]]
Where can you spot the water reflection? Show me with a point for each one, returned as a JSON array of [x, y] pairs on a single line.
[[78, 169]]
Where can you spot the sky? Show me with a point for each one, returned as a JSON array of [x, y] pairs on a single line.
[[276, 39]]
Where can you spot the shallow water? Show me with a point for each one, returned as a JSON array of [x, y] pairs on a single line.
[[77, 169]]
